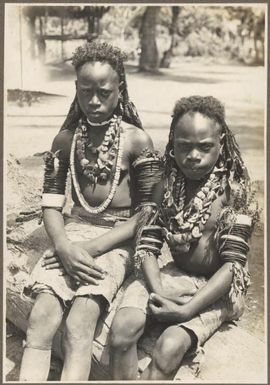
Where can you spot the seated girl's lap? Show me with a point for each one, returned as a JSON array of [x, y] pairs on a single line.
[[117, 264], [204, 324]]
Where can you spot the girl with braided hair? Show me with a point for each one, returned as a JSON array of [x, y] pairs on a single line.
[[99, 142], [203, 214]]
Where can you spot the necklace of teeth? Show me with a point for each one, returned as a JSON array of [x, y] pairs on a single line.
[[188, 222], [103, 206]]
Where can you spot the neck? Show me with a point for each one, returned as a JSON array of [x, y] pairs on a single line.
[[101, 124], [193, 186]]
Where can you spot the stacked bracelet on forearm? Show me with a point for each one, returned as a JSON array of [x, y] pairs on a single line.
[[151, 239], [233, 244], [147, 174], [55, 175]]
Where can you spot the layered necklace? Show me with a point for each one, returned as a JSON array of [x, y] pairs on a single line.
[[186, 222], [100, 170]]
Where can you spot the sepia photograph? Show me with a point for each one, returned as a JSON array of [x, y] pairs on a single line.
[[135, 192]]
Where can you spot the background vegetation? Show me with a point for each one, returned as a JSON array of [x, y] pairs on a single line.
[[154, 36]]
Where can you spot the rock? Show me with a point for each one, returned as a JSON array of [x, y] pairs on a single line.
[[23, 191], [231, 355]]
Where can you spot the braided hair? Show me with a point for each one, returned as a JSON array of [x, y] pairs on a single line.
[[104, 53], [213, 109]]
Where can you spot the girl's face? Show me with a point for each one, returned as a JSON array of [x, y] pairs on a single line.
[[196, 144], [97, 90]]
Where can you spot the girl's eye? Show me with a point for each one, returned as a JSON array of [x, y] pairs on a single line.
[[104, 93], [205, 147], [86, 91], [184, 146]]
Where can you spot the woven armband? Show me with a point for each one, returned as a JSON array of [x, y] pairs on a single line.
[[147, 174], [55, 176], [233, 239]]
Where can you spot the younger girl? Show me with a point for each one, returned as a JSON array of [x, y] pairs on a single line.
[[204, 217]]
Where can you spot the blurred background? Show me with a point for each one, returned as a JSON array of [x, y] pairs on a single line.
[[173, 51], [185, 50]]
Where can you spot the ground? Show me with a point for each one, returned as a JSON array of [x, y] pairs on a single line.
[[30, 130]]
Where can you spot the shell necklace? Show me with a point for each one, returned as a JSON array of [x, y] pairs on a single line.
[[188, 222], [102, 207], [100, 170]]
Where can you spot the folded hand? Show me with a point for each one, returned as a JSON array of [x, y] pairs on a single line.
[[166, 310], [76, 262]]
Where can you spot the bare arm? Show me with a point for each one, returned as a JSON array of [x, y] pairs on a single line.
[[150, 267], [54, 225], [76, 261], [218, 285], [112, 238], [151, 273]]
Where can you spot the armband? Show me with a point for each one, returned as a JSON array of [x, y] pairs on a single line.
[[147, 174], [149, 239], [233, 239], [53, 200], [234, 231], [55, 176]]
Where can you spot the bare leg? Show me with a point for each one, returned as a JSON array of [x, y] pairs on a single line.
[[168, 354], [44, 321], [80, 329], [127, 328]]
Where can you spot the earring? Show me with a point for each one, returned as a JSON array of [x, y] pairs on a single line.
[[171, 154], [76, 106], [221, 159], [121, 107]]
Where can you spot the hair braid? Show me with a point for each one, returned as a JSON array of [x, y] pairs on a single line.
[[213, 109], [104, 53]]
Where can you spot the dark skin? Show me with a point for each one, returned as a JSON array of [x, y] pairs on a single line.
[[98, 91], [197, 144]]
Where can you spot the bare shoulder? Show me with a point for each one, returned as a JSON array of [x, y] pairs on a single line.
[[62, 142], [219, 204], [136, 140]]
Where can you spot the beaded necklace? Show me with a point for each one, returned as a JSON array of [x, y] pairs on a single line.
[[102, 207], [186, 223], [104, 123]]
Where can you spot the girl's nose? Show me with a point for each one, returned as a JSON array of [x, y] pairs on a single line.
[[194, 155], [94, 100]]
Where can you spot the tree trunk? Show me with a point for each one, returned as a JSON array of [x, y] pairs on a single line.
[[41, 42], [149, 59], [167, 56], [62, 40]]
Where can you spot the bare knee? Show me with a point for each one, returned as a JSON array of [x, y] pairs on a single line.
[[44, 320], [127, 328], [80, 326], [169, 351]]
